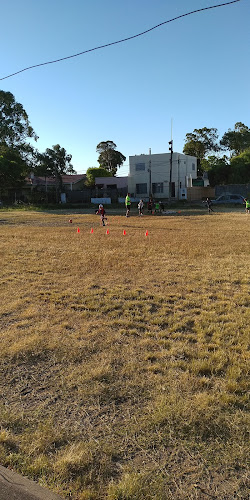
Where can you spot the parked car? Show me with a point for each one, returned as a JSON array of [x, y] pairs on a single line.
[[234, 199]]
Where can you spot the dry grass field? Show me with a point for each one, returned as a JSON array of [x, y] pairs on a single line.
[[123, 364]]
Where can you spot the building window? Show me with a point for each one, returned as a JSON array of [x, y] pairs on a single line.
[[139, 166], [193, 166], [180, 185], [157, 187], [142, 188]]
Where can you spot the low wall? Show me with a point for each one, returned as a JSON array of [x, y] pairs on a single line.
[[197, 193], [106, 201]]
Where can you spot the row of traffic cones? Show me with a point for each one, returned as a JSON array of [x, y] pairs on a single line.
[[107, 232]]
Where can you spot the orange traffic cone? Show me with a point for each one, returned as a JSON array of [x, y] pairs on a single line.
[[78, 230], [124, 232], [146, 234]]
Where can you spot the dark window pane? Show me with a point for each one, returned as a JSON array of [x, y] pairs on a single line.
[[141, 188], [157, 187], [139, 166]]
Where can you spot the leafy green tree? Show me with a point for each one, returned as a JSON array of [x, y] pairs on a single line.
[[55, 162], [235, 171], [200, 143], [238, 140], [94, 172], [13, 169], [219, 170], [109, 158], [15, 127], [240, 168]]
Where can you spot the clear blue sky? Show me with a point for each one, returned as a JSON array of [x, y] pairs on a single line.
[[195, 70]]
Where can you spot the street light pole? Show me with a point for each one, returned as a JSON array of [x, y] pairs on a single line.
[[150, 176], [171, 166]]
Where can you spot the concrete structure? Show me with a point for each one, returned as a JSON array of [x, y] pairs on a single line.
[[198, 193], [112, 187], [111, 182], [13, 486], [104, 201], [154, 175]]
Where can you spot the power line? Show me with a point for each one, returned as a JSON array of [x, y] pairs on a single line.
[[119, 41]]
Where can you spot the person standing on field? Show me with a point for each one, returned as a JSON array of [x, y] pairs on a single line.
[[140, 207], [247, 202], [209, 205], [157, 207], [127, 204], [150, 205], [101, 212]]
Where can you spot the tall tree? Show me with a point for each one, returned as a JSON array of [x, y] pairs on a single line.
[[200, 143], [236, 141], [109, 158], [15, 127], [240, 168], [219, 170], [13, 169], [55, 162], [226, 171]]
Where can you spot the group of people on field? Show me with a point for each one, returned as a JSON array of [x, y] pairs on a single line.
[[208, 204], [155, 207], [152, 207]]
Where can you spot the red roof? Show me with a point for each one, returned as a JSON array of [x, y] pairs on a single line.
[[73, 178]]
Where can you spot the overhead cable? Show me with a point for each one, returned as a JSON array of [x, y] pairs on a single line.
[[119, 41]]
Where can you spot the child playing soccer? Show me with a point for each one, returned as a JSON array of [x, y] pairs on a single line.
[[247, 202], [209, 205], [140, 207], [101, 212]]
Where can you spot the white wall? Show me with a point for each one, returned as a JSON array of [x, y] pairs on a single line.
[[120, 182], [184, 169]]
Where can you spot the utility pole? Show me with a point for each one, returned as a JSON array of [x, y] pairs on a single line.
[[150, 179], [171, 166]]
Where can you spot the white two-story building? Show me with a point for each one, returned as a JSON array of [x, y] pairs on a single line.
[[156, 175]]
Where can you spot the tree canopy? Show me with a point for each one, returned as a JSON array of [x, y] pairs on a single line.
[[218, 169], [55, 162], [15, 127], [17, 155], [13, 169], [236, 141], [240, 168], [201, 141], [94, 172], [109, 158], [229, 171]]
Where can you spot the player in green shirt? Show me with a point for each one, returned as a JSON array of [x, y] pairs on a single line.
[[247, 202], [127, 204]]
